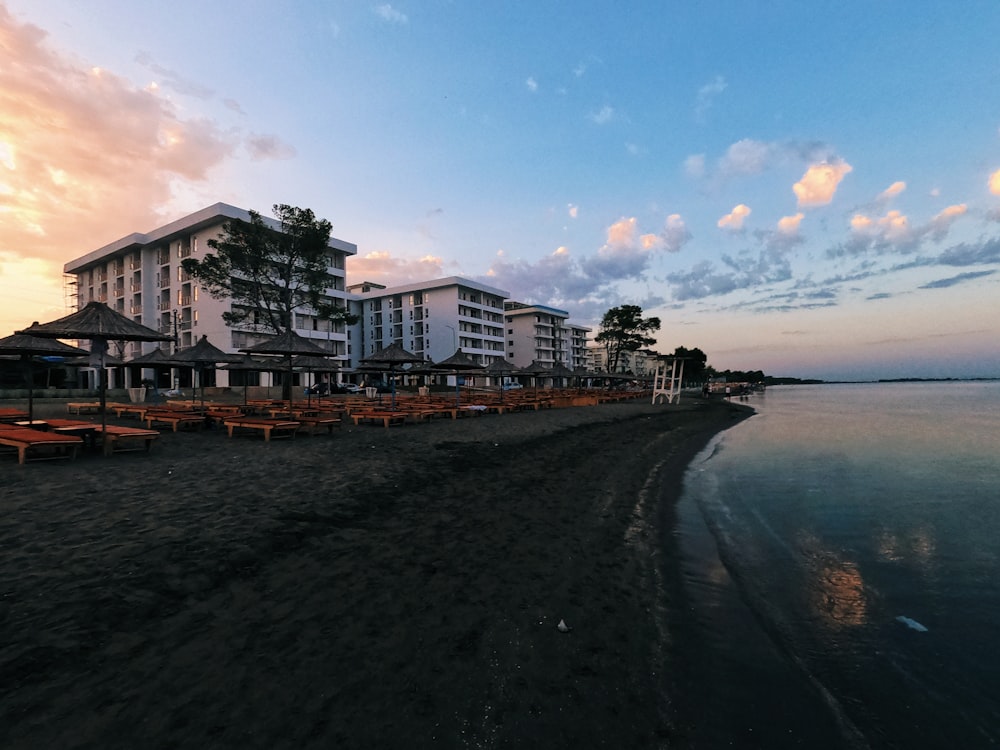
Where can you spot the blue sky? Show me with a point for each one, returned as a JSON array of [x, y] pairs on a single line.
[[810, 189]]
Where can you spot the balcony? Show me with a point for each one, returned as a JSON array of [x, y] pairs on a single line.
[[136, 286], [163, 305], [135, 264], [119, 291], [164, 282], [163, 257], [136, 309]]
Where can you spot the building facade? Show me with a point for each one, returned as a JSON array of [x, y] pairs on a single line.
[[140, 276], [433, 319], [538, 333]]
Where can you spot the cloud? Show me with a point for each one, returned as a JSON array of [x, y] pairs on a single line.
[[382, 268], [173, 80], [675, 233], [572, 210], [603, 116], [941, 223], [268, 147], [892, 191], [994, 183], [706, 97], [789, 225], [532, 84], [746, 157], [78, 141], [819, 184], [390, 14], [694, 165], [953, 280], [733, 221]]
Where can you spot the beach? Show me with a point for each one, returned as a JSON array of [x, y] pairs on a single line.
[[376, 587]]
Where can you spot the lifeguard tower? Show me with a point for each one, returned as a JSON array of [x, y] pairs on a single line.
[[667, 379]]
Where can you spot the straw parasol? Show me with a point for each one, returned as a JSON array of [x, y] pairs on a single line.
[[199, 357], [559, 370], [27, 346], [500, 367], [456, 363], [313, 363], [392, 357], [288, 344], [99, 324], [247, 363]]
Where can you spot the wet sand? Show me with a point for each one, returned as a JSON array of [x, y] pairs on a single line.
[[376, 587]]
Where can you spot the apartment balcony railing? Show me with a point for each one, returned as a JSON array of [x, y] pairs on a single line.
[[163, 258], [135, 264], [136, 286], [184, 325], [163, 304], [119, 291], [164, 282], [184, 300], [101, 297], [135, 309]]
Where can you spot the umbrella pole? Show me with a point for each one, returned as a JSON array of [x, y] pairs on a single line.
[[102, 388], [31, 388]]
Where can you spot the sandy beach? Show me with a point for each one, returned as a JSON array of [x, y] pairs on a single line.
[[376, 587]]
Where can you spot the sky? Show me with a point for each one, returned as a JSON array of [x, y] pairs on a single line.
[[808, 189]]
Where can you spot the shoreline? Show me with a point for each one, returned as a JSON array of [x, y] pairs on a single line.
[[375, 587]]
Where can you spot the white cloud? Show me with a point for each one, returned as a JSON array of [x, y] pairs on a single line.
[[706, 96], [573, 211], [390, 14], [603, 116], [789, 225], [532, 84], [994, 183]]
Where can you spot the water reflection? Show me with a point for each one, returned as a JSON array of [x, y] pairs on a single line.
[[840, 595]]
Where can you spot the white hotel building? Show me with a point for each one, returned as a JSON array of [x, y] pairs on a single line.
[[140, 276]]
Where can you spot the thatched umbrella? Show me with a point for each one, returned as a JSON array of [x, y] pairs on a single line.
[[289, 344], [559, 370], [247, 363], [456, 363], [392, 357], [500, 367], [99, 324], [313, 363], [535, 369], [199, 357], [27, 346], [154, 360]]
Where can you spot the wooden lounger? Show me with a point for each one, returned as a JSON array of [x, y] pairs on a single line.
[[25, 439], [12, 415], [114, 438], [385, 417], [84, 408], [313, 425], [175, 419], [276, 427]]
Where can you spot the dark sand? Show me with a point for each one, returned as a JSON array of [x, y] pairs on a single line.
[[373, 589]]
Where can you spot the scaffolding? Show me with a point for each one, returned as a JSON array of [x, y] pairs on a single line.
[[667, 380]]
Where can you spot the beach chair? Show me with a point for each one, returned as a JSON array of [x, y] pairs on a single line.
[[36, 445], [119, 439], [270, 427]]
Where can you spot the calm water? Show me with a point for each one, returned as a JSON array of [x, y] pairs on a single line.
[[842, 563]]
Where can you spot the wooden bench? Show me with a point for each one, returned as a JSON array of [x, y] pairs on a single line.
[[25, 439], [276, 427], [114, 438], [12, 415]]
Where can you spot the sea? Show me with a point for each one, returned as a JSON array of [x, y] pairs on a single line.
[[841, 571]]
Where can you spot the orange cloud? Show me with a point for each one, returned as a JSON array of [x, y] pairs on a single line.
[[382, 268], [819, 184], [995, 183], [892, 191], [622, 233], [86, 156], [790, 224], [733, 221]]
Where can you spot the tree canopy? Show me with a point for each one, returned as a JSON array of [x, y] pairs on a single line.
[[271, 273], [623, 329], [695, 362]]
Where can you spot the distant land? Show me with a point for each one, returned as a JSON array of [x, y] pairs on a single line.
[[769, 380]]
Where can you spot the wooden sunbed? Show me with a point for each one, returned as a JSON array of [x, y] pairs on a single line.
[[45, 444], [115, 438], [275, 427], [175, 418], [385, 417], [319, 423], [12, 415], [90, 407]]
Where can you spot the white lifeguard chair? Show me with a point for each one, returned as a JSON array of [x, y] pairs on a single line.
[[667, 379]]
